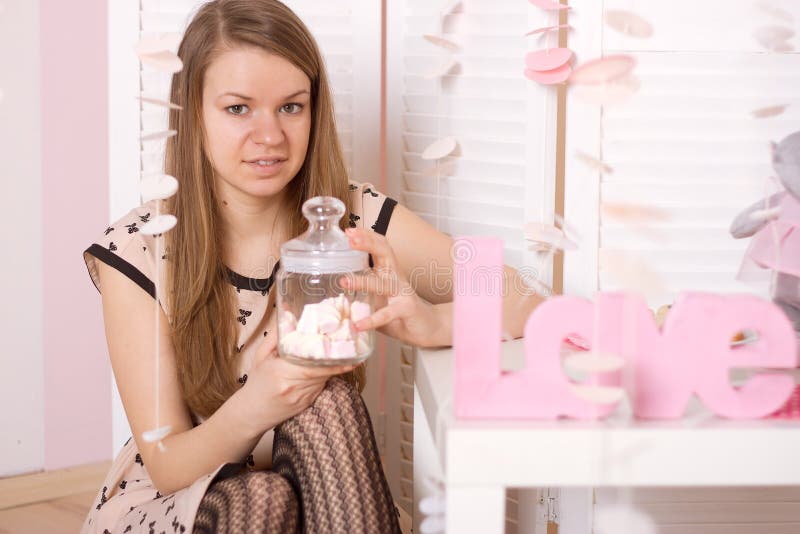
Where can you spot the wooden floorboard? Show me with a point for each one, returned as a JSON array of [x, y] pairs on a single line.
[[65, 514], [49, 485]]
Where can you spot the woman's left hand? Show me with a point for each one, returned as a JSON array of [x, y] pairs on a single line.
[[401, 313]]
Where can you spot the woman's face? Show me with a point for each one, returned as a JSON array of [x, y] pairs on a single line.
[[257, 117]]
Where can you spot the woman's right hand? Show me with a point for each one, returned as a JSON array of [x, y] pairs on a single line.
[[277, 389]]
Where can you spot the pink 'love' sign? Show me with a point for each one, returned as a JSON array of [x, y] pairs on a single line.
[[691, 355]]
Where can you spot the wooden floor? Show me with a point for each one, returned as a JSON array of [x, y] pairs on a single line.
[[49, 502], [65, 514]]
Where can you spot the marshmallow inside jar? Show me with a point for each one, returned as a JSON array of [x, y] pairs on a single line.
[[316, 315]]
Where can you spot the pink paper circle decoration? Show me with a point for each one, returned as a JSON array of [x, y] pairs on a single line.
[[550, 77], [548, 59]]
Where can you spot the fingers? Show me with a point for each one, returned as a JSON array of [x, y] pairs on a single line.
[[377, 245], [381, 283], [378, 319]]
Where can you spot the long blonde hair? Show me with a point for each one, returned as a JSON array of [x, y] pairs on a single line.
[[201, 296]]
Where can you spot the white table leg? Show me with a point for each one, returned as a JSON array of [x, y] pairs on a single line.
[[477, 509]]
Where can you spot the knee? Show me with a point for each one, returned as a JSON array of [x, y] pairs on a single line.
[[338, 393], [273, 488]]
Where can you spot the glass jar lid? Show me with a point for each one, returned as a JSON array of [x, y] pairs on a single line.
[[324, 247]]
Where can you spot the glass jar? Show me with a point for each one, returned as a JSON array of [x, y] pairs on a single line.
[[316, 315]]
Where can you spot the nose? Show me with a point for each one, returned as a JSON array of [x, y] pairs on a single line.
[[267, 130]]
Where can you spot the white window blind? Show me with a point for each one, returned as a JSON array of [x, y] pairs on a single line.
[[686, 144]]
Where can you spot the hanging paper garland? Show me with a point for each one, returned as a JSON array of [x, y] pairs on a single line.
[[551, 65], [157, 187], [593, 163], [156, 52]]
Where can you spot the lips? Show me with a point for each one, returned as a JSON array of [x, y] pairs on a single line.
[[265, 160], [266, 167]]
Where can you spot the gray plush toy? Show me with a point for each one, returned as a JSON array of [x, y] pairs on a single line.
[[774, 223]]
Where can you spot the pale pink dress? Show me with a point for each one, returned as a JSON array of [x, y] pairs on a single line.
[[128, 500]]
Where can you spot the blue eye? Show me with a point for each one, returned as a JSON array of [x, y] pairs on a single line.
[[237, 109], [292, 109]]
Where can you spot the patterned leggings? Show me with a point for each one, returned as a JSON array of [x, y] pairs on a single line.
[[326, 477]]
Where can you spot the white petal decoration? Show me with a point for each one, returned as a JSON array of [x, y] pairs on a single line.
[[159, 225], [550, 77], [433, 504], [783, 48], [589, 362], [633, 213], [161, 42], [440, 148], [547, 29], [619, 518], [631, 273], [443, 69], [164, 61], [433, 525], [548, 236], [159, 102], [2, 95], [579, 341], [156, 434], [441, 41], [157, 186], [772, 37], [770, 111], [598, 395], [775, 12], [766, 214], [158, 136], [603, 70], [548, 5], [745, 337], [450, 6], [547, 59], [593, 163], [628, 23]]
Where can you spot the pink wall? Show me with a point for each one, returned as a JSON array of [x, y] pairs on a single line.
[[75, 208]]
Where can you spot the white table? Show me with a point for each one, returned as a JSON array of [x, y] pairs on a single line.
[[481, 458]]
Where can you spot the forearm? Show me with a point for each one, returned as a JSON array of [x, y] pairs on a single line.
[[226, 436], [519, 300]]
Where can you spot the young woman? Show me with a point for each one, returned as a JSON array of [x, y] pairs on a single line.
[[257, 444]]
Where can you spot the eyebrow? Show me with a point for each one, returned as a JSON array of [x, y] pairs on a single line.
[[243, 97]]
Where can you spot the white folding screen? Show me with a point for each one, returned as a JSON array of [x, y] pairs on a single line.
[[686, 143], [349, 35]]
